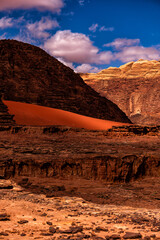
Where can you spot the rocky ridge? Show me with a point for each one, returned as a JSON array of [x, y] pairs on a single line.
[[28, 74], [134, 87]]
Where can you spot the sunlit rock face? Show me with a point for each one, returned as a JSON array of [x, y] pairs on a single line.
[[134, 87]]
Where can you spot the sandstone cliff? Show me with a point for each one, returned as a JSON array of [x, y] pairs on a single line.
[[28, 74], [134, 87]]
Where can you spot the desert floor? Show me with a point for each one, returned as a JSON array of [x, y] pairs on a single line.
[[27, 215], [77, 208]]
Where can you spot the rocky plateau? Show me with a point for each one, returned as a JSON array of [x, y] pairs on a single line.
[[134, 87]]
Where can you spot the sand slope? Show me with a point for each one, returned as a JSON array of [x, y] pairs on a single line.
[[30, 114]]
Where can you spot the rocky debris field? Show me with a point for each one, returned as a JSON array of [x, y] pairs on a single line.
[[27, 215]]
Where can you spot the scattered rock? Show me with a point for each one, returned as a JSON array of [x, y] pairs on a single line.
[[86, 236], [4, 217], [132, 235], [23, 234], [46, 234], [67, 231], [23, 221], [52, 230], [115, 236], [153, 236], [76, 229], [43, 214], [98, 229], [146, 238], [3, 234], [49, 223]]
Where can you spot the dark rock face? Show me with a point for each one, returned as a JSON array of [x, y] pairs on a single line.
[[67, 153], [107, 168], [5, 117], [28, 74]]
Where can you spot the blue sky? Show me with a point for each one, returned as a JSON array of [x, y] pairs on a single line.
[[87, 35]]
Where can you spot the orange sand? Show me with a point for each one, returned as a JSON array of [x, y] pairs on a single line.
[[30, 114]]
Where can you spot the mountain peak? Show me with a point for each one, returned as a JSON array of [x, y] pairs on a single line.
[[28, 74]]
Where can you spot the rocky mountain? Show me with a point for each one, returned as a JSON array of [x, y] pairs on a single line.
[[28, 74], [134, 87]]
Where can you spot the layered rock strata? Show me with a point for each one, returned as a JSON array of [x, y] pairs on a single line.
[[73, 153], [134, 87]]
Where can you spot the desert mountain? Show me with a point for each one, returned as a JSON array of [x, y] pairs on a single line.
[[28, 74], [134, 87]]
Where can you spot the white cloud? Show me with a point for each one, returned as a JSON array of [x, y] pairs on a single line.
[[6, 22], [81, 2], [3, 36], [68, 64], [119, 43], [52, 5], [94, 27], [105, 29], [134, 53], [87, 68], [76, 47], [126, 50], [38, 28]]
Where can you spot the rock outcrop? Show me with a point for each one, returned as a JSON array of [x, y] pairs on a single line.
[[66, 153], [5, 117], [28, 74], [134, 87]]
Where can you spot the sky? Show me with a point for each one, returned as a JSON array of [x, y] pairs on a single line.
[[86, 35]]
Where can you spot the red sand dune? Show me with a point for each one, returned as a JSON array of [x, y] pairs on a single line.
[[35, 115]]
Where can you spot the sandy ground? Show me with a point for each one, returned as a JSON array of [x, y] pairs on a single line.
[[30, 114], [32, 216]]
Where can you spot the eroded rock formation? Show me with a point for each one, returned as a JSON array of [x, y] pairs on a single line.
[[5, 117], [66, 153], [28, 74], [134, 87]]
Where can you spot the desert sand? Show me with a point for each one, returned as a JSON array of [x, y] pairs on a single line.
[[35, 115]]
